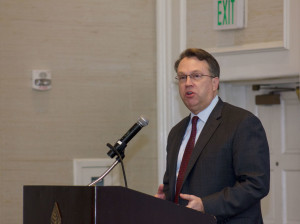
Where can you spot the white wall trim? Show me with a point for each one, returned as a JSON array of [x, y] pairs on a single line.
[[167, 47], [250, 48], [163, 29], [182, 28], [286, 24]]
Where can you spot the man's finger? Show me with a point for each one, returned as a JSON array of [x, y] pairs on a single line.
[[186, 196], [160, 194], [194, 202]]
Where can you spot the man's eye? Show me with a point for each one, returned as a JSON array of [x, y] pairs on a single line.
[[182, 77], [196, 76]]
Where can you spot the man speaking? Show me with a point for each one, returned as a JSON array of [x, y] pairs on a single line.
[[217, 157]]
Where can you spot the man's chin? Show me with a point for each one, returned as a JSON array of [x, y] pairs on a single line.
[[191, 108]]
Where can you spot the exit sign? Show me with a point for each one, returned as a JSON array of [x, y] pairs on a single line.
[[229, 14]]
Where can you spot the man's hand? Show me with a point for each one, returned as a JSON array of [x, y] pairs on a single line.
[[160, 194], [194, 202]]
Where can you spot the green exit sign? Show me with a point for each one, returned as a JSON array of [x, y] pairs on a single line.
[[229, 14]]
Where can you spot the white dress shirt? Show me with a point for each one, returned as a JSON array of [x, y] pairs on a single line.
[[203, 116]]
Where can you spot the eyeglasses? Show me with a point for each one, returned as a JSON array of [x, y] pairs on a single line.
[[194, 76]]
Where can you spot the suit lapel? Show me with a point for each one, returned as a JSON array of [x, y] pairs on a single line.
[[209, 128]]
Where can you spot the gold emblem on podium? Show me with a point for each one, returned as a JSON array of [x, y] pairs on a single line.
[[55, 216]]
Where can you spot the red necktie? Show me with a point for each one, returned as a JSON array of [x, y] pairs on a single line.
[[186, 157]]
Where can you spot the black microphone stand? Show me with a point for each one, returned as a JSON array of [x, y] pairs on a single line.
[[120, 155]]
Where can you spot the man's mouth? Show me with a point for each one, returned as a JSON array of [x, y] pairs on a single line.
[[189, 93]]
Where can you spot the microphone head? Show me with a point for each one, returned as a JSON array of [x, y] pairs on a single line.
[[143, 121]]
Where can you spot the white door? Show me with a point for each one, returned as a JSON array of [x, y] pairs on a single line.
[[282, 125]]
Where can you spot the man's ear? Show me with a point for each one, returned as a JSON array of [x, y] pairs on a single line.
[[215, 82]]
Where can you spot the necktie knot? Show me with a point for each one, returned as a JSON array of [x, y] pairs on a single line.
[[194, 120], [194, 128]]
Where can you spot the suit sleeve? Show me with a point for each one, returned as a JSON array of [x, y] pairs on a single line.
[[251, 165], [166, 180]]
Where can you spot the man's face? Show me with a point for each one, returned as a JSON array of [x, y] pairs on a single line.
[[196, 94]]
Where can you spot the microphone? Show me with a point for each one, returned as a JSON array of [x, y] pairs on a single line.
[[121, 144]]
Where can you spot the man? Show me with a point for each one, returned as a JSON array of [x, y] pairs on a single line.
[[228, 170]]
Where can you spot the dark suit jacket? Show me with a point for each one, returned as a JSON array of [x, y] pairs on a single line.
[[229, 167]]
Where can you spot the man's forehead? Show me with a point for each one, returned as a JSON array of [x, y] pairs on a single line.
[[192, 65]]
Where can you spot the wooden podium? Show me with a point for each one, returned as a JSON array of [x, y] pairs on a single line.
[[102, 205]]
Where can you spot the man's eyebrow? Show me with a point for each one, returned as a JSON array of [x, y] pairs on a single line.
[[195, 71]]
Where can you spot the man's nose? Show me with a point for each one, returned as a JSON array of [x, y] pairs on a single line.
[[188, 80]]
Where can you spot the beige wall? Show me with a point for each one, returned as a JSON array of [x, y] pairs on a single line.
[[264, 24], [102, 58]]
